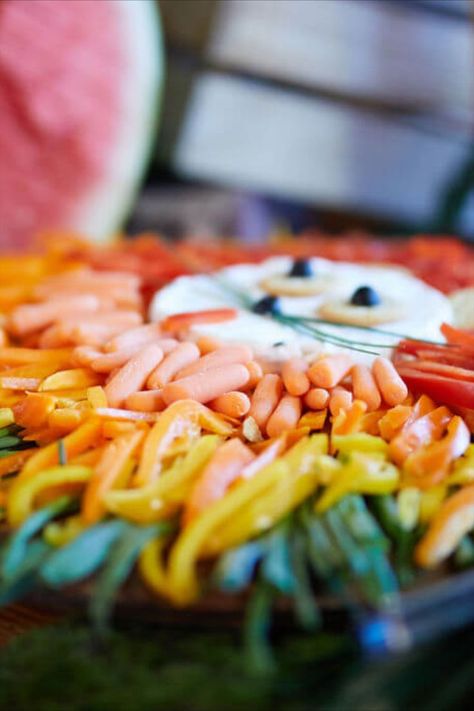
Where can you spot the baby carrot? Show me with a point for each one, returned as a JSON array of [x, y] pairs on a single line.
[[187, 319], [223, 356], [285, 417], [207, 344], [180, 357], [316, 398], [203, 387], [393, 389], [327, 372], [265, 398], [293, 373], [232, 404], [256, 374], [132, 376], [364, 387], [339, 399], [146, 401], [107, 362], [224, 467], [33, 317], [84, 355], [140, 336]]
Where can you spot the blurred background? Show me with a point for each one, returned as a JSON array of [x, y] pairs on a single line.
[[274, 115], [331, 113]]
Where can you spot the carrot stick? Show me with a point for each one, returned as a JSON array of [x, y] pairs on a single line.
[[65, 419], [224, 467], [146, 401], [132, 376], [339, 399], [293, 373], [266, 457], [232, 404], [328, 371], [206, 386], [180, 357], [140, 336], [216, 359], [316, 398], [265, 398], [185, 320], [364, 387], [285, 417], [393, 389]]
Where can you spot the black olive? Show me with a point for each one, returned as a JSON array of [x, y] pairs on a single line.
[[365, 296], [301, 268], [267, 305]]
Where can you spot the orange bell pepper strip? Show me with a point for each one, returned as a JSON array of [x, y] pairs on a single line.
[[458, 336], [85, 437], [178, 419], [111, 472], [422, 431], [451, 522], [393, 420], [65, 419], [33, 411], [430, 465], [349, 421], [28, 356]]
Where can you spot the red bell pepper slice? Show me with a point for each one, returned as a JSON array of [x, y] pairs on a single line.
[[450, 391]]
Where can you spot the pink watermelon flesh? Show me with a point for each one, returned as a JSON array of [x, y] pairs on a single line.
[[61, 65]]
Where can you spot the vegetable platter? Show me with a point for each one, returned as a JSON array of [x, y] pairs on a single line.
[[147, 440]]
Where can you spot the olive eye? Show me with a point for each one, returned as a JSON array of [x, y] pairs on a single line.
[[365, 296], [267, 305], [301, 268]]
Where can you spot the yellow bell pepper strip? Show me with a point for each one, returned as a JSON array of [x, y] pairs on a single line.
[[183, 584], [463, 471], [96, 396], [393, 420], [85, 437], [115, 428], [414, 435], [430, 502], [266, 509], [23, 492], [89, 458], [33, 411], [6, 416], [14, 462], [408, 504], [349, 421], [152, 568], [111, 472], [59, 533], [361, 473], [429, 465], [180, 418], [165, 495], [360, 442], [71, 379], [449, 525]]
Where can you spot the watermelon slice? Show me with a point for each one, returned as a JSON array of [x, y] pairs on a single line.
[[79, 89]]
